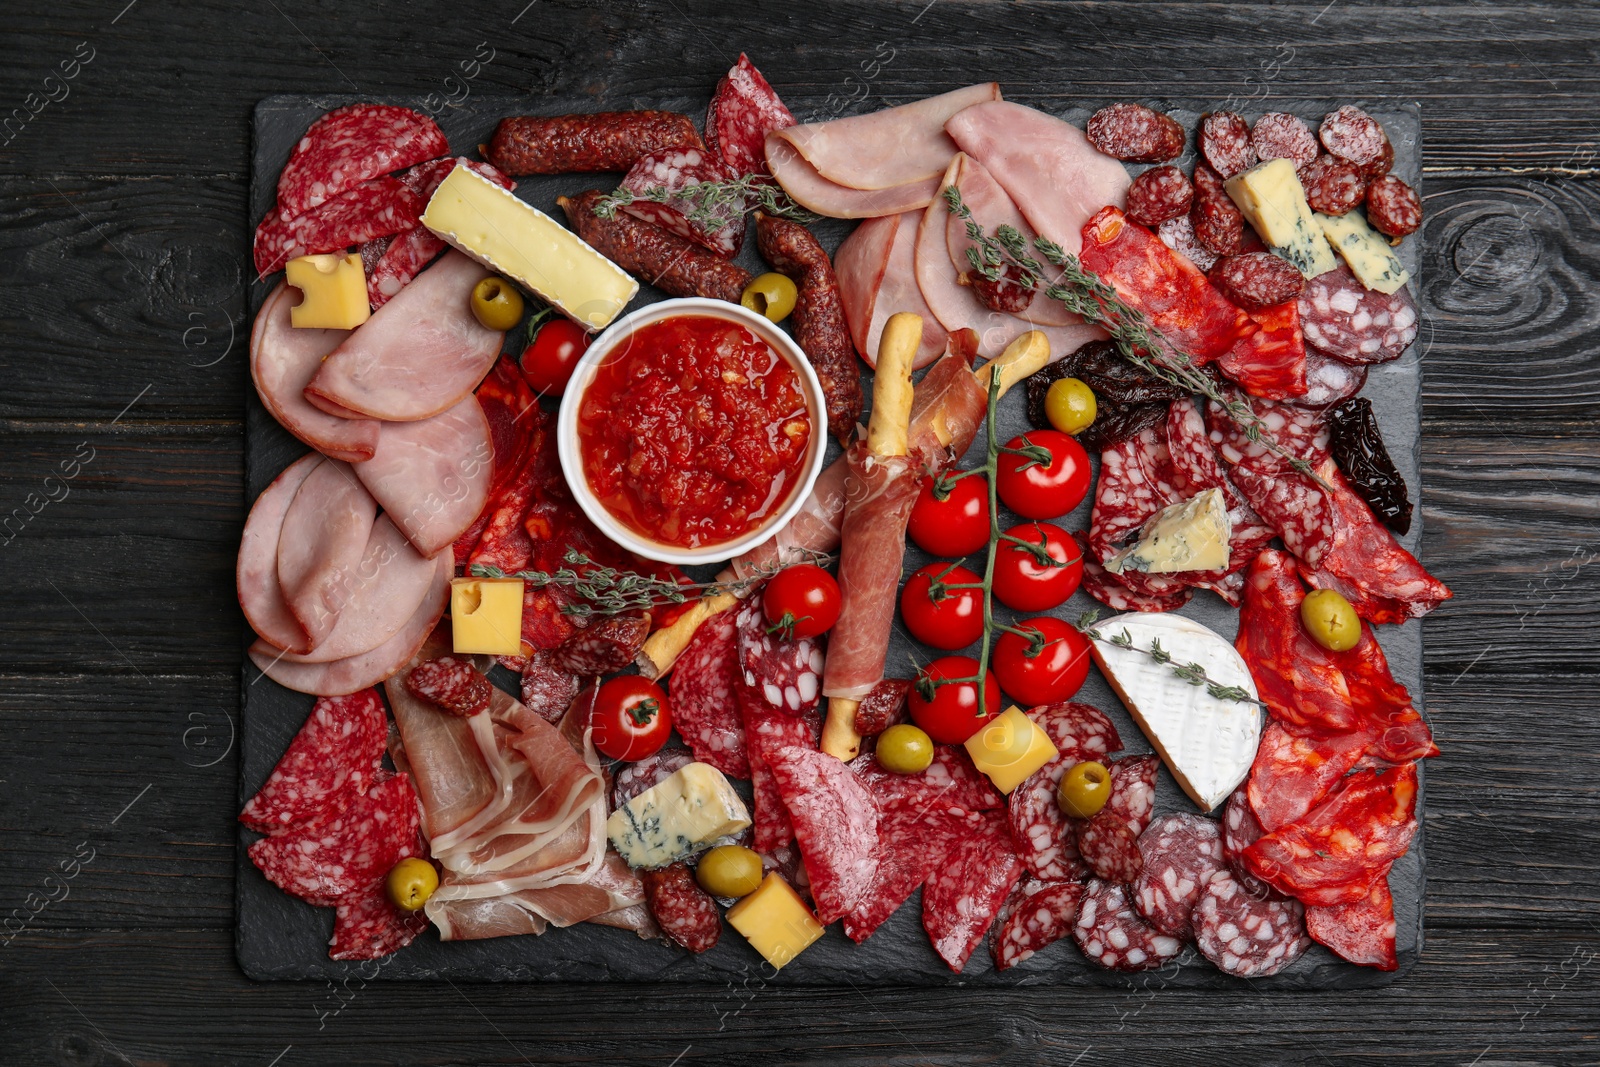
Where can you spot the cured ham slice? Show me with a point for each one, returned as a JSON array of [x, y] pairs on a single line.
[[876, 267], [947, 411], [609, 897], [417, 356], [432, 477], [1055, 177], [887, 148], [811, 190], [377, 597], [354, 673], [320, 547], [256, 576], [992, 208], [282, 361]]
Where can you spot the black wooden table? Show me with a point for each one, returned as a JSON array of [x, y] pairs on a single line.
[[124, 149]]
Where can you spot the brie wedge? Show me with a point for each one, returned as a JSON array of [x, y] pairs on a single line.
[[1207, 742]]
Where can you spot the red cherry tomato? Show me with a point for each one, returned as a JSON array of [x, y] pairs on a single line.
[[802, 600], [953, 527], [631, 718], [952, 715], [1053, 674], [548, 362], [952, 620], [1044, 491], [1025, 584]]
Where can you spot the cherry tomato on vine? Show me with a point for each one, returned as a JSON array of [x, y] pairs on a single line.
[[630, 718], [952, 715], [1022, 582], [552, 355], [956, 526], [1043, 490], [954, 618], [1053, 674], [802, 601]]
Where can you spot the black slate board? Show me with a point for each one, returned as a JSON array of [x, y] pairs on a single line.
[[278, 937]]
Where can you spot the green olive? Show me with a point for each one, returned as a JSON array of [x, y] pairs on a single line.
[[1330, 620], [411, 882], [771, 295], [904, 749], [729, 871], [497, 304], [1084, 790], [1069, 405]]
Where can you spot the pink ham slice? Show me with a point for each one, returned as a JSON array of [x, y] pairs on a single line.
[[282, 361], [432, 477], [887, 148], [260, 594], [355, 673], [377, 598], [418, 355], [876, 267], [991, 208], [1055, 177], [811, 190], [320, 547]]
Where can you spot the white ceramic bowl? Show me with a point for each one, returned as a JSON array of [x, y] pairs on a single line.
[[583, 377]]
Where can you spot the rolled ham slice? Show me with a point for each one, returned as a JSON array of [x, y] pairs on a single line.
[[260, 593], [1055, 177], [376, 599], [324, 537], [418, 355], [432, 477], [876, 268], [812, 191], [282, 362], [890, 147], [355, 673]]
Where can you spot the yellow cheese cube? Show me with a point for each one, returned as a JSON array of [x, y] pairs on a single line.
[[775, 921], [486, 615], [1010, 748], [334, 288]]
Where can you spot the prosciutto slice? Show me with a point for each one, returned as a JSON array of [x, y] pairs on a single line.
[[880, 491], [610, 897], [320, 547], [876, 267], [260, 593], [432, 477], [811, 190], [282, 361], [354, 673], [1055, 177], [887, 148], [417, 356]]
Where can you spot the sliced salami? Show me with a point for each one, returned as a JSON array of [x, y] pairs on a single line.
[[705, 701], [451, 684], [367, 925], [547, 689], [350, 145], [1332, 185], [835, 819], [1041, 833], [663, 187], [1330, 381], [1244, 935], [1195, 465], [1291, 775], [604, 646], [634, 778], [333, 759], [766, 731], [744, 109], [1134, 133], [1178, 234], [1136, 481], [1293, 505], [1038, 915], [1110, 590], [377, 208], [685, 912], [787, 674], [1079, 731], [1159, 194], [1256, 280], [1345, 320], [1226, 143], [403, 257], [884, 707], [1301, 432], [1181, 852], [1280, 135], [1109, 846], [1218, 223], [1362, 931], [1240, 830], [1110, 933], [1352, 134], [1133, 790], [950, 782], [1393, 207], [964, 894]]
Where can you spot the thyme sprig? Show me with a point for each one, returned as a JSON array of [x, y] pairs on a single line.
[[1193, 673], [716, 204], [610, 591], [1084, 293]]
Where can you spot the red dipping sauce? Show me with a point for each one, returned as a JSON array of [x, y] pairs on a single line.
[[694, 432]]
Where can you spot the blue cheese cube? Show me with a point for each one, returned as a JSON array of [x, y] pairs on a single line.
[[1271, 197], [683, 814], [1370, 256], [1189, 536]]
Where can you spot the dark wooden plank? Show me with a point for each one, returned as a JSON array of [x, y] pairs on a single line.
[[1529, 997], [1496, 86]]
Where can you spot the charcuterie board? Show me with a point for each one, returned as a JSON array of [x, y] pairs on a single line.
[[281, 938]]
